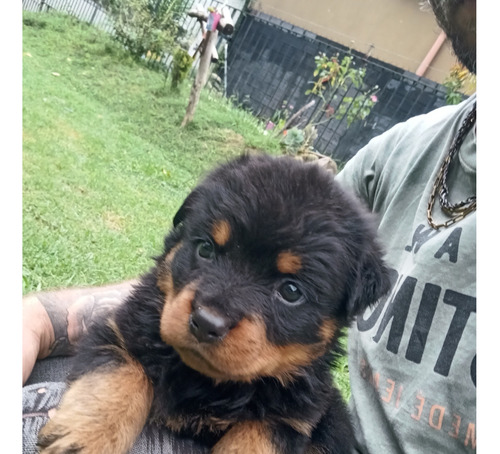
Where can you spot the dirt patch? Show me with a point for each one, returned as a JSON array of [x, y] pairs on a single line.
[[113, 221], [233, 140]]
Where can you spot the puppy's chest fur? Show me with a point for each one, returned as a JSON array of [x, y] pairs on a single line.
[[218, 408]]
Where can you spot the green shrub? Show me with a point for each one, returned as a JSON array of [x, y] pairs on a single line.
[[457, 82], [146, 26], [181, 65]]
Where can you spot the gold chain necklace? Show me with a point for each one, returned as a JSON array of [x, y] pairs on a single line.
[[458, 210]]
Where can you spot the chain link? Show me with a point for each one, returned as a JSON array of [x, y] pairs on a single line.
[[458, 210]]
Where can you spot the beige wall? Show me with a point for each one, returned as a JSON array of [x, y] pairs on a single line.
[[399, 32]]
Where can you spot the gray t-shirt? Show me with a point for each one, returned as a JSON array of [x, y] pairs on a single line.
[[412, 358]]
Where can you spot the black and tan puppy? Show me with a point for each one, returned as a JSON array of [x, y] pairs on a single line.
[[229, 338]]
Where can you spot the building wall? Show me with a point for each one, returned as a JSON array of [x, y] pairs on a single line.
[[399, 32]]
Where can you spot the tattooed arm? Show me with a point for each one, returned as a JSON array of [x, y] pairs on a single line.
[[54, 321]]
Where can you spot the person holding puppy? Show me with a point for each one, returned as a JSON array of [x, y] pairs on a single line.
[[412, 357]]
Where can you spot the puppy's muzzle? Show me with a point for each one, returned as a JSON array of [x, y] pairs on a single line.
[[207, 325]]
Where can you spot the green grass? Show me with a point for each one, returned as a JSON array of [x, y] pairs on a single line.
[[105, 162]]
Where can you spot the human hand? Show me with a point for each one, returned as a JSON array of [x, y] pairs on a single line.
[[38, 333], [54, 321]]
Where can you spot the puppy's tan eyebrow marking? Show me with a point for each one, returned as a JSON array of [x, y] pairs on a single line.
[[288, 262], [327, 330], [221, 232]]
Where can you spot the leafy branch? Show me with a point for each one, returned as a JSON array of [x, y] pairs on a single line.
[[333, 78]]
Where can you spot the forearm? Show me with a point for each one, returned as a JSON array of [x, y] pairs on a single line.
[[54, 321]]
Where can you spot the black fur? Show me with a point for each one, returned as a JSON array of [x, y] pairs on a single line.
[[272, 205]]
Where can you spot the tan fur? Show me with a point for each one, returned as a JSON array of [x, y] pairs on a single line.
[[112, 324], [327, 330], [102, 412], [288, 262], [174, 322], [245, 354], [221, 232], [244, 438], [303, 427], [165, 282]]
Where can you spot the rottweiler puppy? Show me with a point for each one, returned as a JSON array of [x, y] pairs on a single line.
[[230, 337]]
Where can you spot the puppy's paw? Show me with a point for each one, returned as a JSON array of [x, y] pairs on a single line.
[[95, 418], [57, 438]]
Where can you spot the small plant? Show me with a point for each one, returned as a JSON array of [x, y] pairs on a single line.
[[457, 82], [280, 116], [293, 140], [181, 65], [296, 141]]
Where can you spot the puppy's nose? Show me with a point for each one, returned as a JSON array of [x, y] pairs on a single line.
[[207, 325]]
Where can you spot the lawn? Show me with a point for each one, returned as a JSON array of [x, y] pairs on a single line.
[[105, 162]]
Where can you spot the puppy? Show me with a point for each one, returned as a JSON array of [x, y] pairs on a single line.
[[229, 339]]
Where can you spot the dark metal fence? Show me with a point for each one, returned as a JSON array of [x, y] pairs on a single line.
[[271, 66]]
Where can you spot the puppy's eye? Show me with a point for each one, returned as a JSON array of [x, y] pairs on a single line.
[[290, 293], [206, 250]]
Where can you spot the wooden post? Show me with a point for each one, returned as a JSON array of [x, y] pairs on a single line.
[[208, 53], [201, 76]]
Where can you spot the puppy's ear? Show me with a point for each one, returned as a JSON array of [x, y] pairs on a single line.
[[186, 207], [371, 282], [175, 235]]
